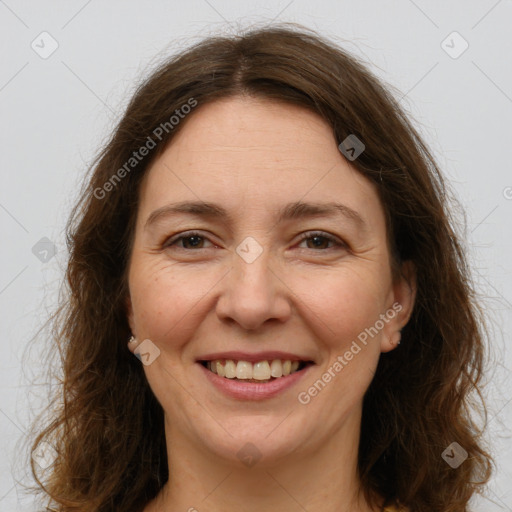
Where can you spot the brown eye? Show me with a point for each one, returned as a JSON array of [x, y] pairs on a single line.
[[187, 241], [318, 242], [192, 242], [321, 241]]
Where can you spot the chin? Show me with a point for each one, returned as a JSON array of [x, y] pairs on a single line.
[[255, 439]]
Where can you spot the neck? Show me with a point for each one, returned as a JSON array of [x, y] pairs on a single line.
[[322, 478]]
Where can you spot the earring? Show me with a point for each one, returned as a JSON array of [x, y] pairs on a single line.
[[395, 339], [132, 339]]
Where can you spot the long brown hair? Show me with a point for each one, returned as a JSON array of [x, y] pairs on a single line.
[[107, 427]]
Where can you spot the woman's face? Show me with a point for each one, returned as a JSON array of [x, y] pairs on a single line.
[[256, 274]]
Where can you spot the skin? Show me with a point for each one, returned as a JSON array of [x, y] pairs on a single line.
[[252, 157]]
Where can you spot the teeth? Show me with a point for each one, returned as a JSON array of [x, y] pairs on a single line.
[[276, 368], [220, 369], [261, 371], [244, 370], [230, 369]]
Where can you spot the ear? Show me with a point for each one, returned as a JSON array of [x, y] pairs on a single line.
[[131, 322], [400, 306]]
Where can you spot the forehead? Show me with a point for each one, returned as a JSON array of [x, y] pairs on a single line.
[[252, 154], [251, 133]]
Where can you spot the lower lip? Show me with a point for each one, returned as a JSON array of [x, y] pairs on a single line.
[[253, 390]]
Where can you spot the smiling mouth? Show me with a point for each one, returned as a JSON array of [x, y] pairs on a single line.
[[258, 372]]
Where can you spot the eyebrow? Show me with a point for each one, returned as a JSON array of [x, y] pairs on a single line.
[[291, 211]]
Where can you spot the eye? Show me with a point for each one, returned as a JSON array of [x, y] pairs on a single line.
[[195, 240], [320, 238], [190, 240]]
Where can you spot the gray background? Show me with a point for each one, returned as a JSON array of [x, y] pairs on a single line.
[[57, 111]]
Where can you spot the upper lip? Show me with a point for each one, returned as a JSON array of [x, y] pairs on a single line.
[[254, 357]]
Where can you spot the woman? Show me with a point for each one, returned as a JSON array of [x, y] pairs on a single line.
[[271, 235]]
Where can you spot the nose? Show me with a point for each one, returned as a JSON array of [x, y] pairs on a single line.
[[253, 293]]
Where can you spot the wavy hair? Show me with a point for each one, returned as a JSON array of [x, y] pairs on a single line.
[[107, 427]]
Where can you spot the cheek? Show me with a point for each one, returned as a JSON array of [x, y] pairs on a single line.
[[343, 304], [170, 300], [341, 313], [165, 296]]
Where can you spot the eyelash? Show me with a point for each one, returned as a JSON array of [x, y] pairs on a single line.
[[307, 235]]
